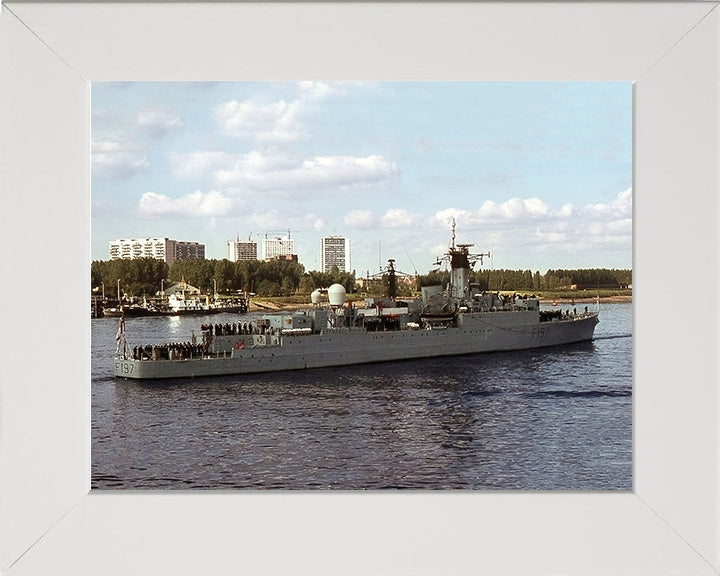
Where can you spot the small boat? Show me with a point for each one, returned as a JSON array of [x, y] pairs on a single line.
[[237, 305], [181, 304], [131, 310]]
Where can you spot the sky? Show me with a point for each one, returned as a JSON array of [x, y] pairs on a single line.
[[538, 174]]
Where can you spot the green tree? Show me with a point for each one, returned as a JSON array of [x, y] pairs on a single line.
[[223, 275]]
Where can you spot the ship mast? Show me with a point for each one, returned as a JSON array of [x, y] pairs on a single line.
[[460, 263], [392, 279]]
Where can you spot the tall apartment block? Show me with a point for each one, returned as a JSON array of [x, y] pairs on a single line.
[[159, 248], [276, 247], [335, 251], [237, 250]]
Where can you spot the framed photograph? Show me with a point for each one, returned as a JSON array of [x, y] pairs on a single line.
[[386, 387], [50, 54]]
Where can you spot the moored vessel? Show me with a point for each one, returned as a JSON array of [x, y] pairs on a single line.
[[131, 310]]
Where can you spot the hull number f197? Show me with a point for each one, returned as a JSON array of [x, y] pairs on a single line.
[[539, 332], [123, 368]]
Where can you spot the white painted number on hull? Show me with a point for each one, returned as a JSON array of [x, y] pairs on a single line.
[[539, 332], [123, 368]]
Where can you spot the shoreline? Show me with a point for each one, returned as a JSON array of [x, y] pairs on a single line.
[[269, 306], [586, 300]]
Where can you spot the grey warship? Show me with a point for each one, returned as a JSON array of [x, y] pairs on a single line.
[[456, 319]]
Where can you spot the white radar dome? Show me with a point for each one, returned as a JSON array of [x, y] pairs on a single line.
[[336, 295], [315, 296]]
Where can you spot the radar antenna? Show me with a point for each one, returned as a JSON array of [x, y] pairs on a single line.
[[392, 275], [461, 261], [462, 251]]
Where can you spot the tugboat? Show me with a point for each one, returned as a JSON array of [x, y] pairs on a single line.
[[457, 319]]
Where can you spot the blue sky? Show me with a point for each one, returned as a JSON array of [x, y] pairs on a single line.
[[537, 173]]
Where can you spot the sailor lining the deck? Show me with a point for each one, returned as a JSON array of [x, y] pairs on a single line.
[[175, 351]]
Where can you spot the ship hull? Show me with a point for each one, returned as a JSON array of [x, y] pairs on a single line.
[[474, 333]]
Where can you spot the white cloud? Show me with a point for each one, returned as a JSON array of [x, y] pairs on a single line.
[[158, 122], [113, 160], [104, 146], [621, 207], [446, 216], [623, 226], [521, 210], [535, 207], [196, 204], [277, 122], [359, 219], [554, 233], [283, 173], [514, 208], [399, 218], [519, 232], [530, 225], [197, 165], [595, 228], [271, 122], [344, 171], [320, 90], [265, 220], [566, 211]]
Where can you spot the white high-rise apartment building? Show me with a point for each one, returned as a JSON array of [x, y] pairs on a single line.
[[159, 248], [237, 250], [274, 247], [335, 251]]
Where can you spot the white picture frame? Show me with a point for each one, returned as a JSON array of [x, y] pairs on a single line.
[[50, 521]]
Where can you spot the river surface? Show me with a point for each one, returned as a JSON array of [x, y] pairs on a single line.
[[557, 418]]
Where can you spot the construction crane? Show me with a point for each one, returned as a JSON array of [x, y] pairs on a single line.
[[268, 232], [249, 238]]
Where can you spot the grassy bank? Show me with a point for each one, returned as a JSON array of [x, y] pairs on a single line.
[[585, 295], [296, 301]]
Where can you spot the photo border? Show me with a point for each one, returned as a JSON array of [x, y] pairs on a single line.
[[49, 520]]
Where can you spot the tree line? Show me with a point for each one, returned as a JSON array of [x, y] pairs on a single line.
[[526, 280], [145, 276]]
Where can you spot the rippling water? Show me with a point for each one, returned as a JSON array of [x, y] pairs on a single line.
[[545, 419]]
